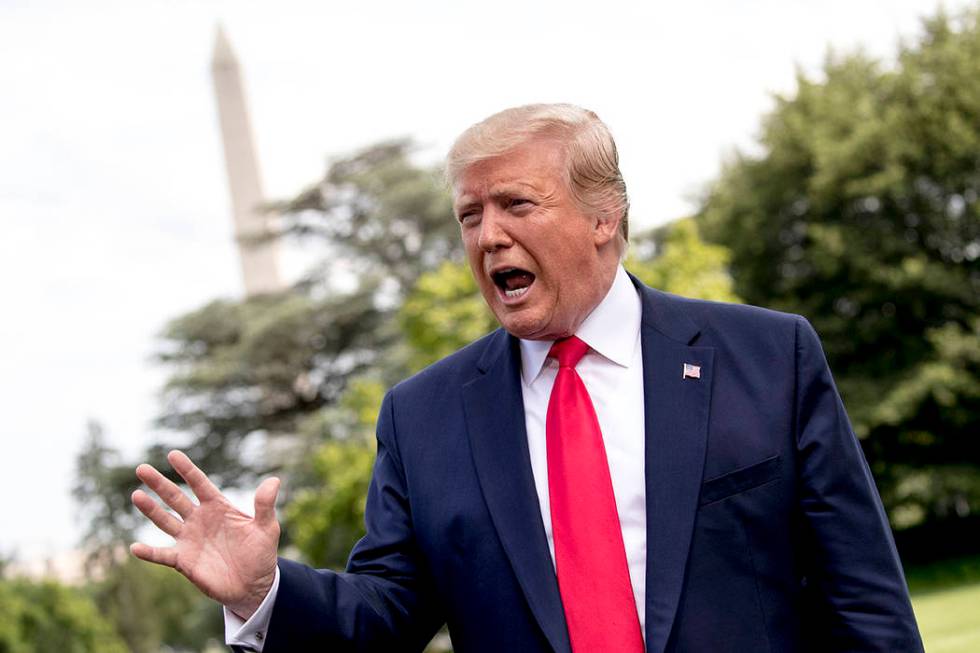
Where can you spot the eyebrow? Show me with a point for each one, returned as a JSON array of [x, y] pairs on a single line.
[[466, 205], [513, 188], [508, 189]]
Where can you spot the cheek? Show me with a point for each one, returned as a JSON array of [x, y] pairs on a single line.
[[484, 285], [473, 257]]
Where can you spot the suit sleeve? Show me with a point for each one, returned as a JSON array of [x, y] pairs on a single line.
[[853, 573], [384, 601]]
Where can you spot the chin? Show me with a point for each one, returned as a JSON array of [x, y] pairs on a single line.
[[517, 326], [526, 327]]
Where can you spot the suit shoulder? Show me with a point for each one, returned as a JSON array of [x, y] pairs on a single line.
[[714, 312], [733, 323], [449, 372]]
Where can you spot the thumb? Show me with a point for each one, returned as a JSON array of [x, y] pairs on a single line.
[[265, 501]]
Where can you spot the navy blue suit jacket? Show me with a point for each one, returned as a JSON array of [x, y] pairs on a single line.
[[764, 528]]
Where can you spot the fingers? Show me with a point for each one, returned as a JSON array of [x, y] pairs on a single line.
[[265, 501], [198, 481], [166, 556], [163, 519], [166, 490]]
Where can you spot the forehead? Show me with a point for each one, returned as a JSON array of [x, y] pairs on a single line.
[[538, 164]]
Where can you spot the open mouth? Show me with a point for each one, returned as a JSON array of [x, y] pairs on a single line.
[[513, 282]]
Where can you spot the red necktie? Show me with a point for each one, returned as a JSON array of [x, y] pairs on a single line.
[[590, 559]]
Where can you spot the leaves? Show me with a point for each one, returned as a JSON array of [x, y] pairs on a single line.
[[861, 212], [443, 313], [326, 516], [243, 373], [684, 264], [47, 616]]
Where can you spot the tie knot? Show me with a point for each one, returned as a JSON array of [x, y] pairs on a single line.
[[569, 351]]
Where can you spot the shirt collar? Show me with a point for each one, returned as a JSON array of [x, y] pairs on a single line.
[[612, 329]]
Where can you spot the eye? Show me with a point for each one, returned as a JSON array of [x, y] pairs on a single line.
[[468, 216], [519, 203]]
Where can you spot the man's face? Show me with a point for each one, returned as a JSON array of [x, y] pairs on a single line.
[[541, 263]]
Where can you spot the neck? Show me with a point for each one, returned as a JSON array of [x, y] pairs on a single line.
[[607, 274]]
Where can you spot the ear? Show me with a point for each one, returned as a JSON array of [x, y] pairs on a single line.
[[604, 229]]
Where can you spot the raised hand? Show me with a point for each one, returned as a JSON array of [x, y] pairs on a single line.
[[227, 554]]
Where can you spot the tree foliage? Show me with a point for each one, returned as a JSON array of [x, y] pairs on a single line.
[[675, 259], [444, 312], [296, 378], [152, 608], [387, 217], [145, 606], [46, 617], [260, 367], [326, 515], [861, 212], [255, 369], [101, 490]]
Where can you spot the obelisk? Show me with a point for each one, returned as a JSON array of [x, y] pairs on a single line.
[[258, 254]]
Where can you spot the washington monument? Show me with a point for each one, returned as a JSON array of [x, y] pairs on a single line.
[[259, 258]]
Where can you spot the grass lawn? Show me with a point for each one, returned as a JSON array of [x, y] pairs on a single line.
[[946, 598], [949, 619]]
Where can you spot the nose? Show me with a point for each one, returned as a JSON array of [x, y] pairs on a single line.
[[493, 234]]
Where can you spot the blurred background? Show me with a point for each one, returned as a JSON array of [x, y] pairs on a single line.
[[224, 229]]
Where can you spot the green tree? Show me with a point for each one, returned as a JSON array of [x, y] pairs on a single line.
[[146, 606], [861, 213], [381, 213], [151, 608], [444, 312], [326, 516], [259, 368], [253, 370], [675, 259], [101, 490], [47, 617]]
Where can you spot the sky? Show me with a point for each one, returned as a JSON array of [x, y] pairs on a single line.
[[114, 208]]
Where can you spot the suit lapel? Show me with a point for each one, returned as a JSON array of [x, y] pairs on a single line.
[[494, 410], [676, 413]]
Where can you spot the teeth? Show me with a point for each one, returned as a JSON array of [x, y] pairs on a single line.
[[516, 292]]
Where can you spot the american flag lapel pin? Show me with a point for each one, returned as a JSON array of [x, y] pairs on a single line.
[[692, 371]]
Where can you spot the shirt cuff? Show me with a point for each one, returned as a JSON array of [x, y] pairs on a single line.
[[251, 634]]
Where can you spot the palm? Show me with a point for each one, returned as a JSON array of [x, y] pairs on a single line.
[[227, 554]]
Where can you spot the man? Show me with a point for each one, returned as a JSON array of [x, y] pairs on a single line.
[[616, 469]]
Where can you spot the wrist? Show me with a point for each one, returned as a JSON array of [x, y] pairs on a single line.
[[249, 604]]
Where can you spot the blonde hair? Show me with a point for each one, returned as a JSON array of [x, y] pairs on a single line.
[[592, 161]]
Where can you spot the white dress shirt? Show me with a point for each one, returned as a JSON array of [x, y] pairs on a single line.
[[612, 371]]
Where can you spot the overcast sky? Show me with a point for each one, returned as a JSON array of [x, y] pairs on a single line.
[[113, 201]]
